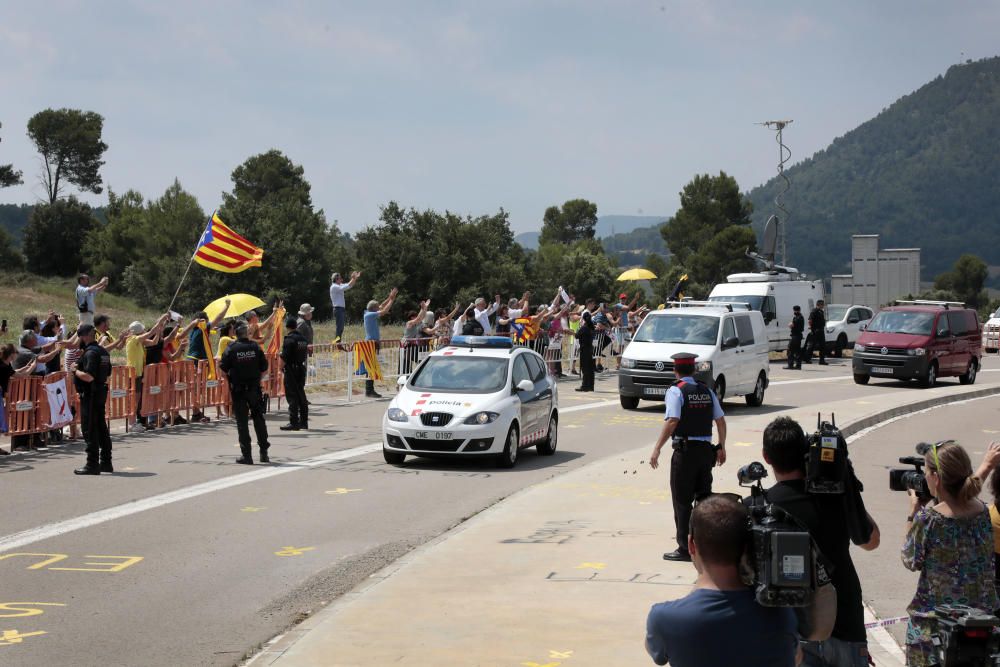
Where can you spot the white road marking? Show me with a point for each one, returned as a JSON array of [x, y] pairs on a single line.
[[32, 535], [810, 380]]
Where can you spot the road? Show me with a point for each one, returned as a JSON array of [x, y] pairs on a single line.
[[185, 558]]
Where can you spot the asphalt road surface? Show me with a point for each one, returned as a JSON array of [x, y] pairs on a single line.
[[185, 558]]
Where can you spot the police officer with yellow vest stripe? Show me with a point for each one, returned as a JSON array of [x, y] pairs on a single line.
[[691, 409]]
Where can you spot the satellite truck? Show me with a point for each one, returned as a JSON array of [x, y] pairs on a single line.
[[773, 291]]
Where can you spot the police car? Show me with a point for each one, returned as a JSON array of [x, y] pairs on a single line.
[[479, 396]]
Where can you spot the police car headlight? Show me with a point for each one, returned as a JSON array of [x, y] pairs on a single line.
[[916, 351], [628, 363], [858, 347], [703, 367], [482, 418], [396, 415]]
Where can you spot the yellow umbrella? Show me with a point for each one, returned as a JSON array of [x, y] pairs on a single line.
[[239, 304], [637, 274]]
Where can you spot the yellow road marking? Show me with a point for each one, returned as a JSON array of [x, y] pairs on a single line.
[[250, 508], [340, 491], [538, 664], [293, 551], [25, 610], [563, 655], [591, 566], [14, 637], [127, 561]]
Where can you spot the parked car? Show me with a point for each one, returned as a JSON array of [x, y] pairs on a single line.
[[920, 340], [844, 323], [729, 339]]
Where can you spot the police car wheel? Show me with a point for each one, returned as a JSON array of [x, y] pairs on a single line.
[[393, 458], [757, 397], [508, 457], [547, 447]]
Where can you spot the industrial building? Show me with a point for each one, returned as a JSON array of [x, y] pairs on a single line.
[[878, 276]]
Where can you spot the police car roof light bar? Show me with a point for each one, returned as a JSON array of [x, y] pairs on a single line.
[[928, 302], [728, 305], [488, 342]]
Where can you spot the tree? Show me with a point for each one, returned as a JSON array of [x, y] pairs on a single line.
[[576, 220], [54, 237], [966, 281], [110, 248], [11, 258], [8, 176], [710, 233], [71, 147]]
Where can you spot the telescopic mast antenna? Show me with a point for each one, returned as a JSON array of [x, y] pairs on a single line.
[[784, 155]]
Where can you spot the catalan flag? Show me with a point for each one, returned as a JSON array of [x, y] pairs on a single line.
[[222, 249], [366, 360]]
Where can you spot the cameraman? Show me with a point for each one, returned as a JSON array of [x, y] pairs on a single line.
[[824, 516], [720, 622]]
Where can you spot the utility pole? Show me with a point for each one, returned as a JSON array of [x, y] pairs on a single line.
[[784, 155]]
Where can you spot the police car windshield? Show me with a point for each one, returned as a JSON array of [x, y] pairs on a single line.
[[754, 301], [835, 313], [466, 373], [690, 329], [900, 321]]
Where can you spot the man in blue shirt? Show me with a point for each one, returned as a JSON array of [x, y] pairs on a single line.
[[337, 289], [719, 623], [691, 409], [373, 312]]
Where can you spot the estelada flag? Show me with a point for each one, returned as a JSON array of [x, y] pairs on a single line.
[[366, 360], [222, 249], [524, 329]]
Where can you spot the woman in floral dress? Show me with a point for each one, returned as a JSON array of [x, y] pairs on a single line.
[[950, 543]]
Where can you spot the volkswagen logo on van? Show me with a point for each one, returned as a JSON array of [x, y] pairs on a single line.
[[885, 350], [659, 366]]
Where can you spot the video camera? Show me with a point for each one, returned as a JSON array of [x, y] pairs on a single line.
[[903, 479], [966, 637], [785, 572]]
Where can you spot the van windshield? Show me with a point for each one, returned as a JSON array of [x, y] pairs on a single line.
[[754, 301], [835, 313], [903, 322], [690, 329]]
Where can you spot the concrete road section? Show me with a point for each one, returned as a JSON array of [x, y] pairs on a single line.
[[185, 558]]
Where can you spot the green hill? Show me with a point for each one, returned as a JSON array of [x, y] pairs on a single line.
[[924, 173]]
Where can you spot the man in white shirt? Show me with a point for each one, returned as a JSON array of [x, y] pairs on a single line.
[[85, 296], [337, 289], [482, 312]]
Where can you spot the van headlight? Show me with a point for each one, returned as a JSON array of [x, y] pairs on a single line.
[[916, 351], [396, 415], [482, 418], [858, 347], [703, 367], [628, 363]]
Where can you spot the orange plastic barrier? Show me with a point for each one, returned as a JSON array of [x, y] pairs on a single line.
[[121, 393], [212, 393], [156, 390], [272, 382], [183, 391], [22, 405]]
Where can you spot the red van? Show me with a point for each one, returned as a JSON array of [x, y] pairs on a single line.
[[920, 340]]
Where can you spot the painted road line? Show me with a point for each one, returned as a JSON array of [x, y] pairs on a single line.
[[32, 535]]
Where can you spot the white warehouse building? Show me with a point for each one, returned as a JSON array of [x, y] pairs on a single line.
[[879, 276]]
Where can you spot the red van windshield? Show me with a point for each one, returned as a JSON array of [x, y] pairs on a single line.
[[901, 321]]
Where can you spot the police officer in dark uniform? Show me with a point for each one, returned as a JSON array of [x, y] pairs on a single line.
[[817, 337], [243, 363], [91, 378], [294, 352], [796, 328], [691, 409]]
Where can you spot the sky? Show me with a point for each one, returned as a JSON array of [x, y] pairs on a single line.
[[467, 106]]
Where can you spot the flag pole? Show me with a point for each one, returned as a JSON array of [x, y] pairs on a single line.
[[190, 262]]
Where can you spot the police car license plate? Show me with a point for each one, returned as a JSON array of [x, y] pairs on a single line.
[[435, 435], [882, 369], [655, 391]]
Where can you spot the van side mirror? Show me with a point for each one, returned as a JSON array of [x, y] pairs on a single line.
[[525, 385], [863, 327], [768, 316], [732, 341], [401, 380], [943, 333]]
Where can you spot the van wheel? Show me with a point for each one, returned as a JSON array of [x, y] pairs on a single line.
[[930, 379], [757, 397], [861, 379], [508, 457], [629, 402], [839, 346], [720, 388], [969, 377]]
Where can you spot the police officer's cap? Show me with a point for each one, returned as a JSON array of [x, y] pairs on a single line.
[[291, 323], [685, 359], [796, 308]]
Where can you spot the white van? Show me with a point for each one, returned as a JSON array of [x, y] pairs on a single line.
[[773, 294], [730, 341]]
